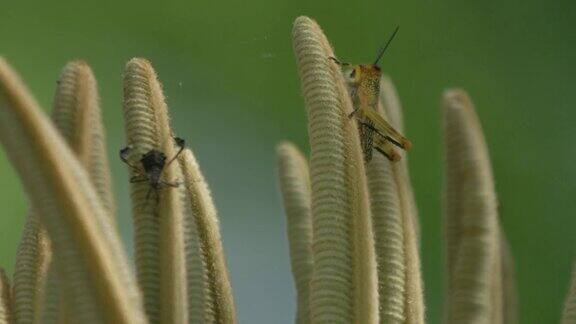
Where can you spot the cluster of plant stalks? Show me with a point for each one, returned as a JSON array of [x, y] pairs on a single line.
[[71, 266], [352, 226]]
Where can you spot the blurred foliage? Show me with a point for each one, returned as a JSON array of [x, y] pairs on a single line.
[[230, 79]]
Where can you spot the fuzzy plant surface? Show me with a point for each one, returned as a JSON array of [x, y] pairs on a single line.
[[353, 226], [71, 266]]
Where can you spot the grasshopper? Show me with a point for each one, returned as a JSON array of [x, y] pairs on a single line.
[[364, 87]]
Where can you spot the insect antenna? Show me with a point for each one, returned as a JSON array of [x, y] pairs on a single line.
[[385, 46]]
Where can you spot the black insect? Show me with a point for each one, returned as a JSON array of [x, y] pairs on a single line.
[[153, 165]]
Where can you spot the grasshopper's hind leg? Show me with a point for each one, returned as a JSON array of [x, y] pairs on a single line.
[[383, 146], [381, 125]]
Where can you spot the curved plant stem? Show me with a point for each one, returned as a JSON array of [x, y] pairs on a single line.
[[414, 300], [470, 216], [6, 313], [77, 116], [32, 261], [508, 283], [53, 306], [95, 276], [569, 313], [158, 214], [393, 110], [200, 302], [344, 282], [389, 239], [395, 226], [295, 186], [219, 306]]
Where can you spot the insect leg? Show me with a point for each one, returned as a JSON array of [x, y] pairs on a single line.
[[388, 138], [181, 143], [382, 125], [366, 140], [137, 179], [124, 157], [337, 61], [384, 147], [350, 115], [170, 184]]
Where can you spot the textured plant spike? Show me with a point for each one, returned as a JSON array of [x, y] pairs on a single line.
[[569, 312], [415, 310], [158, 224], [200, 304], [414, 298], [220, 306], [52, 310], [6, 304], [470, 216], [508, 282], [295, 186], [364, 257], [32, 260], [77, 116], [96, 275], [75, 112], [393, 110], [344, 283], [395, 224], [389, 239]]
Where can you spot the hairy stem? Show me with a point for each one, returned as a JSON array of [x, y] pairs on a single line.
[[158, 213], [295, 186]]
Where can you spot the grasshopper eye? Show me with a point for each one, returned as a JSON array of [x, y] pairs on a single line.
[[353, 73]]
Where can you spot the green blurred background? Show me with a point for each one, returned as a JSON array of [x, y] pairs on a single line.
[[231, 83]]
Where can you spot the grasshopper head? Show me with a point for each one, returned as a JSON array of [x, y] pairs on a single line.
[[358, 75]]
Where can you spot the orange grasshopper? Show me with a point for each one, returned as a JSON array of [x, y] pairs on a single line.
[[364, 87]]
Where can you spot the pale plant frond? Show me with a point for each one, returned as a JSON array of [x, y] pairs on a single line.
[[53, 309], [393, 110], [569, 312], [414, 298], [32, 262], [96, 276], [6, 303], [200, 301], [76, 114], [415, 310], [220, 307], [344, 281], [470, 218], [389, 237], [395, 226], [509, 290], [296, 192], [158, 215]]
